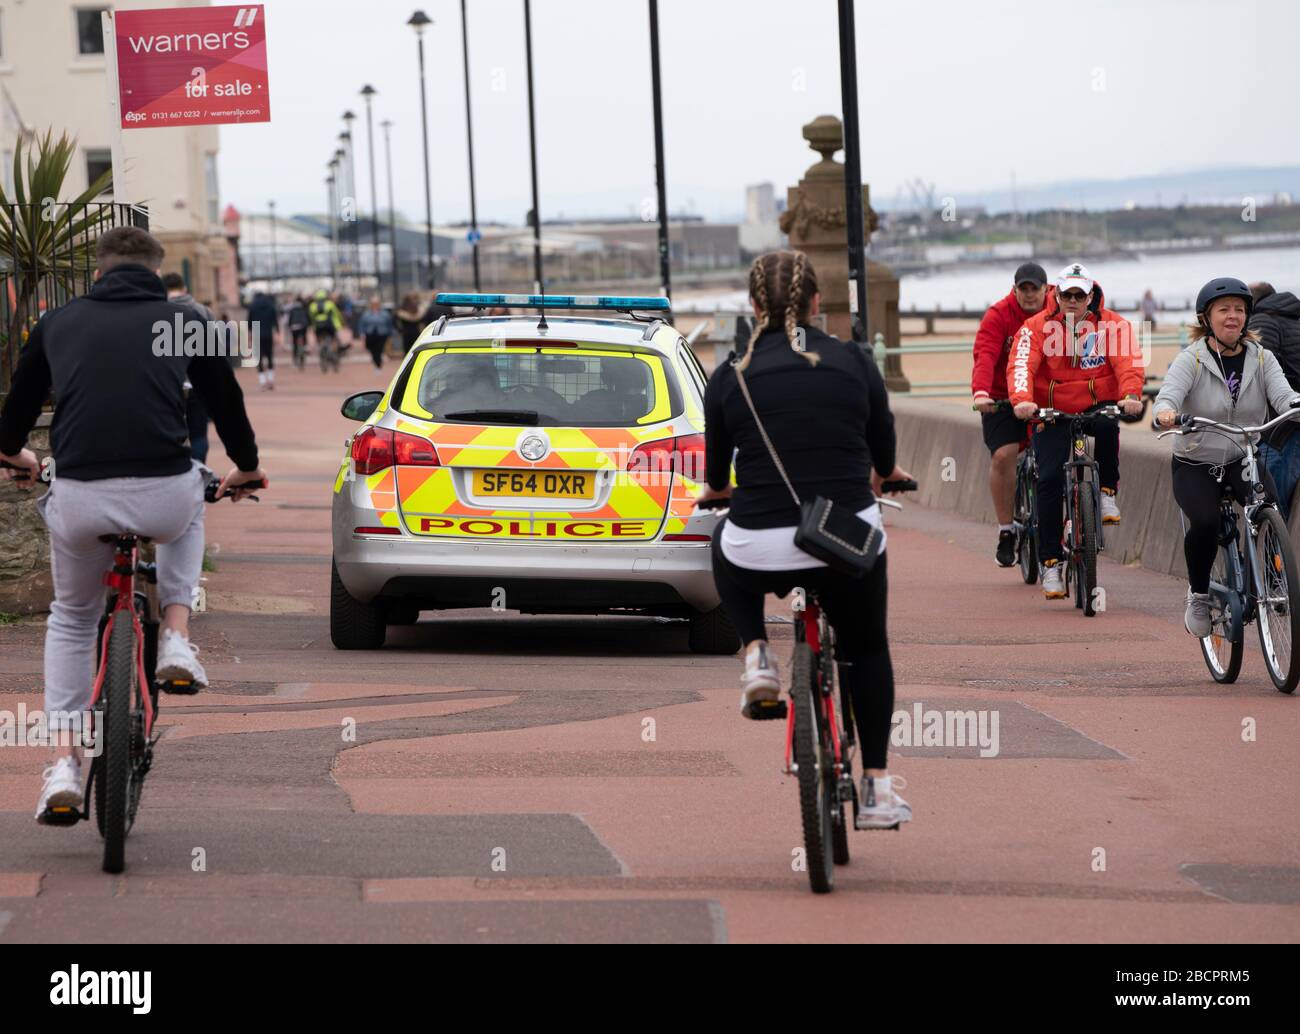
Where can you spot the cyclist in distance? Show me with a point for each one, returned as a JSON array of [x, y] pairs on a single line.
[[122, 464], [1005, 436], [1075, 356], [1223, 375], [825, 409], [326, 321]]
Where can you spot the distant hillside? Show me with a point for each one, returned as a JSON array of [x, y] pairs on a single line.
[[1224, 186]]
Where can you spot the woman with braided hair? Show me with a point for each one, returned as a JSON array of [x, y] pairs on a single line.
[[824, 407]]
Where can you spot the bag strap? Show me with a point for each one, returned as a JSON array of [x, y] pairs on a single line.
[[780, 468]]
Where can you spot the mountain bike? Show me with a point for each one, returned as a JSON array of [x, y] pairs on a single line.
[[1251, 581]]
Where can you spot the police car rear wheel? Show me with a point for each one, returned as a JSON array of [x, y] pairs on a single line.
[[354, 625], [711, 632]]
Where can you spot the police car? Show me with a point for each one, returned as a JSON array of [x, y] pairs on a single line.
[[536, 462]]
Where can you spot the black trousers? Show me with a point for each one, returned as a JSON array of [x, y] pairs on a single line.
[[856, 608], [1197, 493], [1052, 449], [375, 346]]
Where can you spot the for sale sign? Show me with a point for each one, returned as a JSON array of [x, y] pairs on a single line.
[[190, 66]]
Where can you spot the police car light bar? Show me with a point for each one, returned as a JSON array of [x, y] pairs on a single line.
[[555, 301]]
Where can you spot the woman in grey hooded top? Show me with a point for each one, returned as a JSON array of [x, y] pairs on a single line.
[[1223, 375]]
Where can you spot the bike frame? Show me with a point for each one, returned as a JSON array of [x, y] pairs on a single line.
[[1238, 599], [121, 579], [813, 628]]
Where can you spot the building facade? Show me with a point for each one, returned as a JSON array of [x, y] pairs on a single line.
[[53, 76]]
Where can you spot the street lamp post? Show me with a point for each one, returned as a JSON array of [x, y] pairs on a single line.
[[340, 198], [273, 262], [418, 21], [330, 182], [539, 283], [660, 187], [386, 125], [469, 134], [368, 92], [853, 168]]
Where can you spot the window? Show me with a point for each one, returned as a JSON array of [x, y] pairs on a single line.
[[90, 30], [210, 184], [97, 163]]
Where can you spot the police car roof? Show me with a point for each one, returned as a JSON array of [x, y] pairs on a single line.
[[597, 330]]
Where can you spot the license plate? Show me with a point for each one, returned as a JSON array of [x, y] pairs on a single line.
[[547, 484]]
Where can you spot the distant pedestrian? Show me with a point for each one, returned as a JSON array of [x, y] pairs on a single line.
[[436, 310], [298, 324], [1149, 310], [376, 326], [410, 322], [196, 414], [1275, 319], [262, 312], [326, 321]]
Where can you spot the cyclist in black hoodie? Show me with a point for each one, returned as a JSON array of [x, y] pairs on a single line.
[[116, 360]]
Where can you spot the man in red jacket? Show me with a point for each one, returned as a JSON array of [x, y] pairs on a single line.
[[1074, 356], [1004, 433]]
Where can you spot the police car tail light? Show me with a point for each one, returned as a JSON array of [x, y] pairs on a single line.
[[377, 448], [372, 450], [411, 450], [683, 455]]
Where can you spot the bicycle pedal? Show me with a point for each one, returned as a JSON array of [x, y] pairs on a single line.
[[767, 710], [61, 815], [178, 687]]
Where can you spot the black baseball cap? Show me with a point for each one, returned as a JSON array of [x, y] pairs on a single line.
[[1032, 272]]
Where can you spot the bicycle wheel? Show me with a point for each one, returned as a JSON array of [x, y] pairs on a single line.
[[839, 825], [1027, 530], [1087, 517], [1279, 604], [815, 788], [112, 785], [1222, 655]]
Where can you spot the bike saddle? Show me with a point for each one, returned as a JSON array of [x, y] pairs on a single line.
[[140, 539]]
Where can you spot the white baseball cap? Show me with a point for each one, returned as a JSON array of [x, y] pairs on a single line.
[[1074, 276]]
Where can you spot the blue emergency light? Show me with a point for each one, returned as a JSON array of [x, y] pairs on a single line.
[[555, 301]]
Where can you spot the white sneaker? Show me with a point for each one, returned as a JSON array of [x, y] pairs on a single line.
[[760, 686], [178, 661], [879, 806], [1109, 509], [1054, 581], [62, 789], [1196, 619]]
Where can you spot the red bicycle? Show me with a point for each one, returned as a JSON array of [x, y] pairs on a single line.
[[124, 699], [820, 740]]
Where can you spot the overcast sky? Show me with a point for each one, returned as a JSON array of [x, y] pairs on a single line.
[[960, 94]]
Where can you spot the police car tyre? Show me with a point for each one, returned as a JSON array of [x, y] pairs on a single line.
[[711, 632], [354, 625]]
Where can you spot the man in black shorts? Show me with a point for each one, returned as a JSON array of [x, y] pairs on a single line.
[[1005, 434]]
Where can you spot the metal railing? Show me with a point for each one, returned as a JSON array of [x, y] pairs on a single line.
[[954, 346], [47, 256]]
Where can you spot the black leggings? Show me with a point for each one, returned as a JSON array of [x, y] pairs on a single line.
[[1052, 449], [857, 611], [1198, 494], [375, 345]]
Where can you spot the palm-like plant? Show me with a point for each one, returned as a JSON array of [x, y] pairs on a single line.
[[47, 245]]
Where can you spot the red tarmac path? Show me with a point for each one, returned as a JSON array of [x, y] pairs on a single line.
[[500, 784]]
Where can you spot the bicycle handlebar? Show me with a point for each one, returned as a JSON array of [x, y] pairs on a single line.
[[1186, 423], [213, 483], [1052, 415]]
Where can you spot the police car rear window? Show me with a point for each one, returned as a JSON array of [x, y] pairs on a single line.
[[556, 387]]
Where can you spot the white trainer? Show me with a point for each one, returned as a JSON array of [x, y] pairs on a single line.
[[1109, 509], [1054, 581], [760, 686], [880, 806], [62, 788], [178, 660]]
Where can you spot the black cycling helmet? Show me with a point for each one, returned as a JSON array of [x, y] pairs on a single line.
[[1223, 287]]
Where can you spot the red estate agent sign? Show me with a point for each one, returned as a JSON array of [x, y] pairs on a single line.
[[191, 66]]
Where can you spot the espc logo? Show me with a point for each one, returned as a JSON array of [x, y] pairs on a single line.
[[133, 116]]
